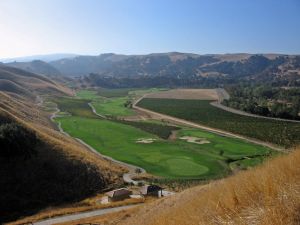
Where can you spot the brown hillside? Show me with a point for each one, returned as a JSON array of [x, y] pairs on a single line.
[[266, 195], [37, 84], [61, 171]]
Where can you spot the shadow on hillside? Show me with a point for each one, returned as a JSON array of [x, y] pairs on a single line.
[[46, 179]]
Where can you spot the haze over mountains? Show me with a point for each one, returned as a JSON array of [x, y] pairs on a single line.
[[46, 58], [115, 70]]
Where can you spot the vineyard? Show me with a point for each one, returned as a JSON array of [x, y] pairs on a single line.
[[282, 133]]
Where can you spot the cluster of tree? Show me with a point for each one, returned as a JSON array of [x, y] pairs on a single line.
[[153, 81], [265, 100], [16, 141], [33, 174]]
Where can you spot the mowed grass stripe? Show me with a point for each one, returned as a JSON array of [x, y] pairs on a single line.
[[170, 159]]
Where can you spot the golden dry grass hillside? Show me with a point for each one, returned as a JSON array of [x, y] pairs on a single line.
[[28, 84], [266, 195], [61, 171]]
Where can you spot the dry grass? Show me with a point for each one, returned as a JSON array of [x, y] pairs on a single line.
[[108, 219], [86, 205], [266, 195], [25, 112], [200, 94]]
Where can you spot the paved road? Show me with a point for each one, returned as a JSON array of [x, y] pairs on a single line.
[[82, 215]]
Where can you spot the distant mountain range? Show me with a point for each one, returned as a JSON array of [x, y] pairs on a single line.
[[46, 58], [174, 65]]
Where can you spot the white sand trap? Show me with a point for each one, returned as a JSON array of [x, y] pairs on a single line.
[[195, 140], [145, 140]]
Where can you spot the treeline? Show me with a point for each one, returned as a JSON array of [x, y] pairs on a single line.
[[265, 100], [152, 81]]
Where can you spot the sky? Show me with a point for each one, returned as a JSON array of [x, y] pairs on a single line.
[[92, 27]]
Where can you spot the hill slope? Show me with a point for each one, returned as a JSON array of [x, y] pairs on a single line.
[[36, 66], [35, 84], [178, 64], [267, 195], [39, 166]]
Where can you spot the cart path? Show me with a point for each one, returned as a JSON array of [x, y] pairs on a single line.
[[127, 177], [175, 120], [82, 215]]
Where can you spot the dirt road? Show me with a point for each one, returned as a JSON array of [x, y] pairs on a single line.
[[243, 113], [178, 121]]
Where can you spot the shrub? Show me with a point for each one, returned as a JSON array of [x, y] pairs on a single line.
[[16, 141]]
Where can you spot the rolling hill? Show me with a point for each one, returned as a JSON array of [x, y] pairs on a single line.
[[21, 81], [268, 195], [37, 162], [174, 64], [171, 69], [36, 66]]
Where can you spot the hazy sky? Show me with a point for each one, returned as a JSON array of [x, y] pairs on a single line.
[[29, 27]]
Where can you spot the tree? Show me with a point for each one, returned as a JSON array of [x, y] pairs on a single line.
[[16, 141]]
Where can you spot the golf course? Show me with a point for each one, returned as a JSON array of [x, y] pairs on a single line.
[[192, 154]]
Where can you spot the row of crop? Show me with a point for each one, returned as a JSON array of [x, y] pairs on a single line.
[[279, 132]]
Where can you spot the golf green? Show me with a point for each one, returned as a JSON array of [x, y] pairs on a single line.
[[165, 158]]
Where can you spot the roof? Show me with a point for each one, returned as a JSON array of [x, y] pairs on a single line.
[[118, 192], [150, 188]]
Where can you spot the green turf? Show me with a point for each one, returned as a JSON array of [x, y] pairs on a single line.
[[200, 111], [87, 94], [112, 102], [113, 107], [75, 107], [114, 93], [170, 159], [161, 130]]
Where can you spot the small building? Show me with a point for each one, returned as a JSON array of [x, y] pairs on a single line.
[[152, 190], [118, 194]]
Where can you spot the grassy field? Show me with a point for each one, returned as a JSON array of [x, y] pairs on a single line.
[[113, 106], [200, 111], [165, 158], [145, 144], [112, 102], [76, 107], [161, 130]]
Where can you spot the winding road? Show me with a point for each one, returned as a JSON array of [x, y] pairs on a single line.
[[132, 169]]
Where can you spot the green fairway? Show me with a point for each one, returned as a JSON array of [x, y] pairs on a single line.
[[87, 94], [75, 107], [193, 154], [170, 159], [113, 106]]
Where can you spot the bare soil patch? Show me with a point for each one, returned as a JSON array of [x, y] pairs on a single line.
[[200, 94]]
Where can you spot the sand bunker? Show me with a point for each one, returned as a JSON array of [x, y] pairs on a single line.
[[195, 140], [145, 140]]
